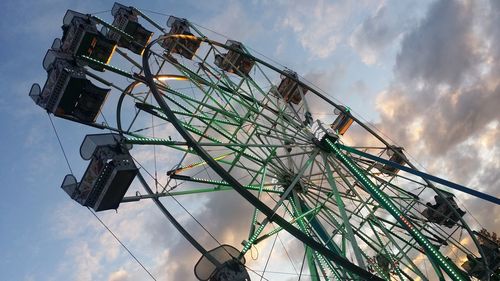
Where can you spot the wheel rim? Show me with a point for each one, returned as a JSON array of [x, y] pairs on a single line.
[[300, 204]]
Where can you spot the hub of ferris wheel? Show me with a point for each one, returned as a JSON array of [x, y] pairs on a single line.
[[73, 64]]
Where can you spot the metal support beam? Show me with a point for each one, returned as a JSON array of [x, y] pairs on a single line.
[[432, 178]]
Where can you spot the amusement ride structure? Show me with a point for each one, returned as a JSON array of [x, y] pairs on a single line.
[[227, 120]]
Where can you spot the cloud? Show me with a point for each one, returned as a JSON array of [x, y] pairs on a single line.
[[443, 48], [359, 87], [438, 81], [447, 118], [234, 12], [90, 244], [87, 262], [442, 104], [177, 262], [326, 79], [29, 278], [319, 26], [379, 31], [120, 275]]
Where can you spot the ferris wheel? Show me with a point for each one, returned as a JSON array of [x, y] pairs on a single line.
[[195, 117]]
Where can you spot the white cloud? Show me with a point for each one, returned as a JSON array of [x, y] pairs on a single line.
[[29, 278], [85, 261], [120, 275], [92, 246], [234, 12], [443, 87], [321, 25], [443, 106], [383, 29]]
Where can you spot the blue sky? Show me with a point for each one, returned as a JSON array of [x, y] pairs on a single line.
[[427, 73]]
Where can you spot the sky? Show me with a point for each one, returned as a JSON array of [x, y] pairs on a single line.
[[425, 73]]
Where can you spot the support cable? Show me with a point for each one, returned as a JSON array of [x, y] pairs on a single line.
[[100, 12], [286, 252], [303, 262], [154, 151], [121, 243], [256, 272], [60, 143]]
